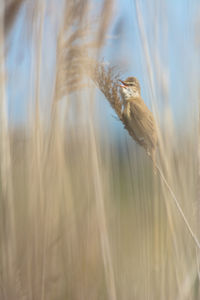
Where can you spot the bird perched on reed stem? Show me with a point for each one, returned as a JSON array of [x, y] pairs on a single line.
[[138, 117]]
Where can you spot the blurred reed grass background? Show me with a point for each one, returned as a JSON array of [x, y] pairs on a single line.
[[82, 214]]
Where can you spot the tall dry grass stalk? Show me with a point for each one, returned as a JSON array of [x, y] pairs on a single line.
[[11, 11], [82, 216], [8, 229]]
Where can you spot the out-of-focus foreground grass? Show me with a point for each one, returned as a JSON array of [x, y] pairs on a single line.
[[82, 214]]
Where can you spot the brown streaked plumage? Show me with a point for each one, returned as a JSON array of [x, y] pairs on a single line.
[[138, 117]]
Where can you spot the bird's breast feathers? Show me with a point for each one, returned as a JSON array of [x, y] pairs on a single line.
[[141, 120], [127, 110]]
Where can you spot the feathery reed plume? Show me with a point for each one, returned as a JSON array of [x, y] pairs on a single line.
[[106, 81], [71, 48], [76, 39]]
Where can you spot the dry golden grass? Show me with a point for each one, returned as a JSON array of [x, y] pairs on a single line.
[[81, 214]]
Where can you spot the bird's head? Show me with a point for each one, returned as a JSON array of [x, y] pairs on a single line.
[[130, 88]]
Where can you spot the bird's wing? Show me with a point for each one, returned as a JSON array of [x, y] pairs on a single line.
[[132, 132], [144, 120]]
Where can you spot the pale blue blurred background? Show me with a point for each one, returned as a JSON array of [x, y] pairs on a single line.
[[161, 50]]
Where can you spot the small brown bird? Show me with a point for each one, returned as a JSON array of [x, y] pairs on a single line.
[[138, 118]]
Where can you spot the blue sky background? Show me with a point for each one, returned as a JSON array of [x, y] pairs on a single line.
[[171, 30], [172, 33]]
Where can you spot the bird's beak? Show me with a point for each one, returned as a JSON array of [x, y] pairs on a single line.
[[123, 84]]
